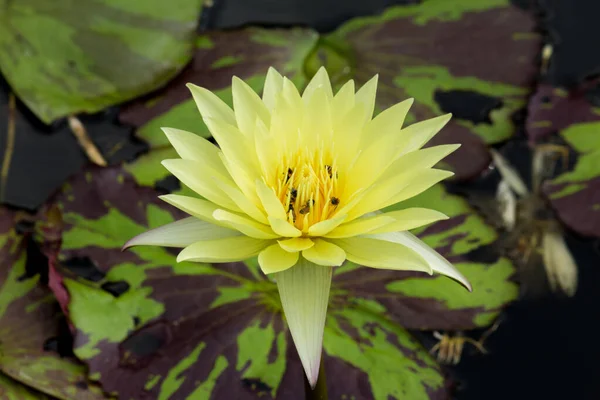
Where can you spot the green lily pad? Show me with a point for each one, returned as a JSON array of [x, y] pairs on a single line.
[[13, 390], [29, 322], [192, 330], [430, 51], [67, 57], [575, 116], [218, 57]]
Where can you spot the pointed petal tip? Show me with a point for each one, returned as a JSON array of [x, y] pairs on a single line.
[[304, 293], [312, 378], [134, 241], [191, 87]]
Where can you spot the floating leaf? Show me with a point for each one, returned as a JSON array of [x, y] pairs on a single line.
[[476, 59], [13, 390], [98, 54], [246, 53], [30, 325], [575, 194], [425, 302], [192, 330]]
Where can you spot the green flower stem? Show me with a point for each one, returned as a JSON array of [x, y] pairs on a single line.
[[320, 390]]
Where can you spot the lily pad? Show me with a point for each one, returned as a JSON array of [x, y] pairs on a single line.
[[476, 59], [13, 390], [192, 330], [28, 148], [575, 116], [424, 302], [246, 53], [99, 52], [189, 329], [30, 323]]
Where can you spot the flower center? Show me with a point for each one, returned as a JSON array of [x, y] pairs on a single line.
[[307, 186]]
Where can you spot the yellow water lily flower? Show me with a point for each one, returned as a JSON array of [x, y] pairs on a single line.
[[298, 180]]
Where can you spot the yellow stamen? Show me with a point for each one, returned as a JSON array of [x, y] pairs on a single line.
[[307, 185]]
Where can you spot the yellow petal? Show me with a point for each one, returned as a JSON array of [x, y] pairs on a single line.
[[319, 82], [407, 219], [291, 95], [275, 259], [416, 135], [234, 144], [396, 189], [317, 127], [419, 159], [348, 136], [360, 226], [180, 234], [324, 227], [240, 177], [266, 150], [382, 254], [380, 143], [366, 96], [325, 253], [389, 122], [193, 147], [283, 228], [296, 244], [270, 202], [198, 177], [202, 209], [272, 88], [245, 225], [304, 293], [343, 101], [437, 263], [232, 249], [211, 106], [248, 106], [426, 180], [242, 201]]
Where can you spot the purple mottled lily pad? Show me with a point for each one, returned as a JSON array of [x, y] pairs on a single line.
[[31, 325], [211, 331], [476, 59], [424, 302], [575, 116]]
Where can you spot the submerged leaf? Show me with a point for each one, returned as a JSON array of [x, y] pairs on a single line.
[[98, 54]]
